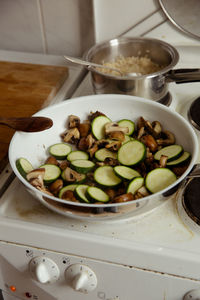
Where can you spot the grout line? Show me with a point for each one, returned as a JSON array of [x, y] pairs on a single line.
[[138, 23], [42, 27]]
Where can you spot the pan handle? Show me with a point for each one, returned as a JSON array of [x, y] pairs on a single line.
[[183, 75]]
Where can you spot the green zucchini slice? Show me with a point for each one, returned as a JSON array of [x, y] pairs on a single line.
[[80, 192], [182, 159], [23, 166], [172, 152], [98, 126], [77, 154], [96, 194], [135, 185], [60, 150], [82, 165], [126, 173], [106, 176], [103, 153], [129, 124], [158, 179], [131, 153], [52, 172], [70, 187]]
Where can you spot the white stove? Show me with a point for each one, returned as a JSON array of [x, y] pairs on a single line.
[[152, 255]]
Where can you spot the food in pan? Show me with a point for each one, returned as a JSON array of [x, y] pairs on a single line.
[[132, 64], [101, 161]]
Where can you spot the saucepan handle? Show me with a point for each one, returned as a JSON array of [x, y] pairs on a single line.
[[183, 75]]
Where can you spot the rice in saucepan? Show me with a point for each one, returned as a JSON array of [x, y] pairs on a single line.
[[138, 65]]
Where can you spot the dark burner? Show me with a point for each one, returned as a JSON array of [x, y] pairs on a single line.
[[191, 200], [166, 100], [194, 113]]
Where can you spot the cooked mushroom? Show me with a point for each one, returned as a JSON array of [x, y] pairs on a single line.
[[157, 129], [69, 195], [116, 135], [74, 121], [36, 176], [71, 175], [168, 138], [113, 126], [163, 161], [141, 132], [52, 160], [90, 140], [71, 136], [143, 191], [84, 129], [109, 161], [64, 164], [113, 146], [56, 186], [93, 115], [150, 142], [124, 198], [92, 150]]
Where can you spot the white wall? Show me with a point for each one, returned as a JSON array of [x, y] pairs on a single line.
[[114, 17], [67, 26]]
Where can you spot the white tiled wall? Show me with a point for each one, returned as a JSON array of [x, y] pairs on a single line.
[[67, 26], [46, 26]]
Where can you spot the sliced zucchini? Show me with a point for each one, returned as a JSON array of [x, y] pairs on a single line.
[[126, 172], [106, 176], [70, 187], [135, 185], [182, 159], [127, 138], [60, 150], [98, 126], [127, 123], [95, 194], [82, 165], [158, 179], [80, 192], [82, 179], [172, 152], [103, 153], [77, 154], [131, 153], [52, 172], [23, 166]]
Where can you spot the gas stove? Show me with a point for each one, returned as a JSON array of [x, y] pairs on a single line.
[[153, 254]]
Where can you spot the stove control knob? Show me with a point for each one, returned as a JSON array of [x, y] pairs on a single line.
[[192, 295], [81, 278], [44, 270]]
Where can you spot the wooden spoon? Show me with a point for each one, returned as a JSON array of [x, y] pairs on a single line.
[[30, 124]]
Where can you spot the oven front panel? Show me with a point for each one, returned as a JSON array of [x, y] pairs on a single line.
[[108, 281]]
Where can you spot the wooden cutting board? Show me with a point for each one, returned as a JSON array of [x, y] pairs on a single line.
[[25, 89]]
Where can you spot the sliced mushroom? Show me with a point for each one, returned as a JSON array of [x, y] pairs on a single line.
[[124, 198], [69, 195], [163, 161], [109, 161], [71, 136], [116, 135], [157, 129], [52, 160], [92, 150], [143, 191], [150, 142], [113, 146], [56, 186], [141, 132], [84, 129], [64, 164], [168, 138], [113, 126], [90, 140], [74, 121], [36, 176], [71, 175], [93, 115]]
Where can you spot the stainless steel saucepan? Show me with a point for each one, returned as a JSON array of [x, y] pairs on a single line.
[[152, 86]]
